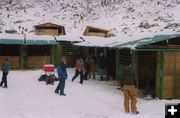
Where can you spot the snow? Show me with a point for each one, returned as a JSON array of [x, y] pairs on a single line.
[[39, 37], [12, 36], [122, 17], [26, 97], [26, 36], [70, 38], [125, 19], [93, 41]]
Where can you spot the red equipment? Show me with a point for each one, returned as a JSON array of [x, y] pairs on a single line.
[[49, 68]]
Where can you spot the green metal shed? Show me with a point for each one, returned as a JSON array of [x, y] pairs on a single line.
[[10, 46], [162, 51], [28, 51], [39, 50]]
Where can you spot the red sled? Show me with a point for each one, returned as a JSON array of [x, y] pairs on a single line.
[[49, 68]]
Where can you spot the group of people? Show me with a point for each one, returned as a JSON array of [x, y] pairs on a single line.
[[128, 81], [86, 68]]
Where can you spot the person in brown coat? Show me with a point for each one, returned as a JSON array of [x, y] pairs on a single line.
[[129, 85]]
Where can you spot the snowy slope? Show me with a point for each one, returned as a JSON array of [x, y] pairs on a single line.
[[121, 17], [26, 97]]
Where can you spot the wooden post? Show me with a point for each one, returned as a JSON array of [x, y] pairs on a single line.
[[55, 54], [59, 51], [135, 64], [162, 74], [175, 54], [21, 57], [158, 73], [51, 54], [117, 64]]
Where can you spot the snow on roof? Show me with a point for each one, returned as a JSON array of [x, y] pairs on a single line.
[[93, 41], [26, 39], [39, 37], [69, 38], [32, 39], [147, 40], [126, 39], [11, 36], [16, 39]]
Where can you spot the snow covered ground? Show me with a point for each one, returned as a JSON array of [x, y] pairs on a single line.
[[121, 17], [26, 97]]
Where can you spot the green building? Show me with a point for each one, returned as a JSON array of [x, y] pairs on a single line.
[[162, 52]]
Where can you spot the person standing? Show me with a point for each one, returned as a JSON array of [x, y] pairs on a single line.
[[92, 66], [150, 84], [5, 71], [129, 85], [102, 66], [62, 76], [87, 66], [80, 69]]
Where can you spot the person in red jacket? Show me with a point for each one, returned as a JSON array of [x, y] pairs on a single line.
[[80, 69]]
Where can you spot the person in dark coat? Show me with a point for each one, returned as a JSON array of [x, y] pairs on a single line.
[[92, 66], [129, 85], [102, 66], [87, 66], [62, 76], [5, 71], [150, 85]]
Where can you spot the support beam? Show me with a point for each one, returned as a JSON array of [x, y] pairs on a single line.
[[117, 64], [162, 74], [55, 54]]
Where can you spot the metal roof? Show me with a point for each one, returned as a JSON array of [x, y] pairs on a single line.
[[40, 40], [12, 39], [146, 41], [19, 39], [66, 38]]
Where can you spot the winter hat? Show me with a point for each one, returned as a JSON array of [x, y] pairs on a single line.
[[63, 60], [80, 60]]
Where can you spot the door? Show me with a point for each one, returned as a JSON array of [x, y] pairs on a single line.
[[177, 76], [171, 83], [169, 71]]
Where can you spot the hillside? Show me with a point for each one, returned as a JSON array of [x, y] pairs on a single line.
[[121, 17]]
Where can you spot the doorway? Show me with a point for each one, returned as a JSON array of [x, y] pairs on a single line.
[[147, 72]]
